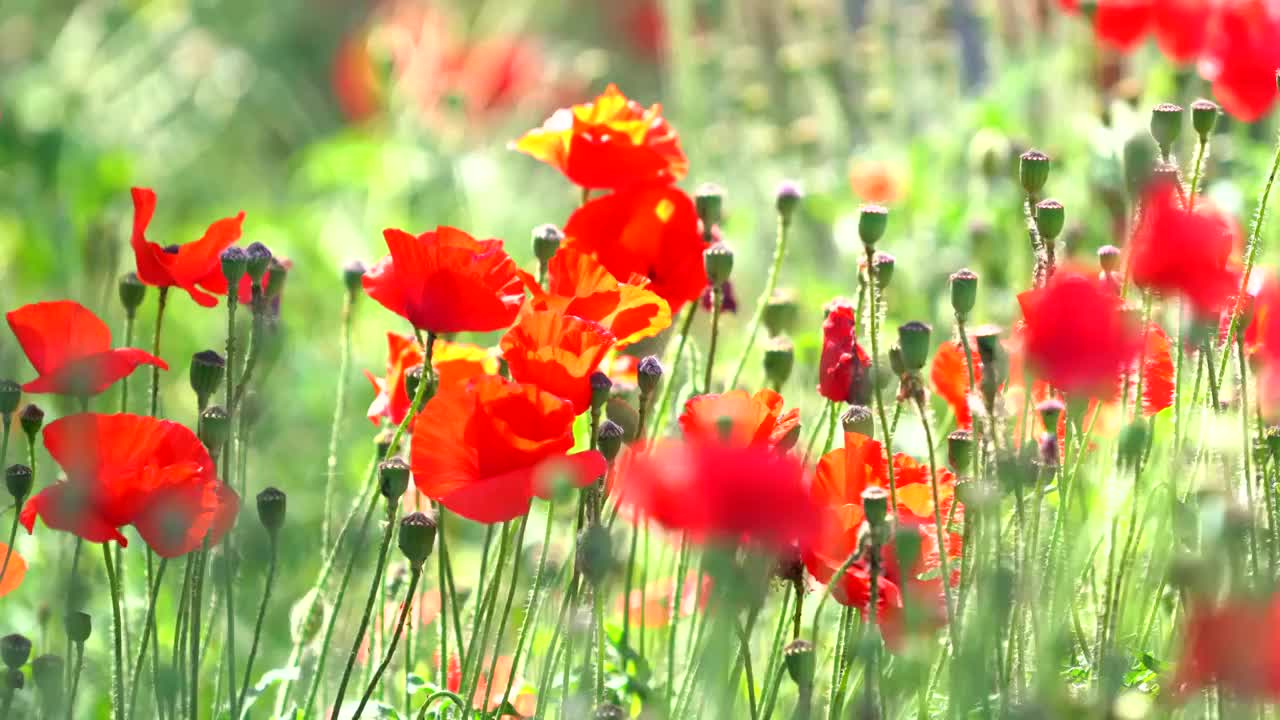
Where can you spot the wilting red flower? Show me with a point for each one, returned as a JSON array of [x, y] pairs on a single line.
[[612, 143], [484, 448], [1176, 250], [133, 470], [1077, 336], [578, 285], [950, 376], [1235, 645], [70, 348], [720, 492], [556, 352], [445, 281], [1241, 55], [454, 363], [843, 367], [650, 232], [14, 573], [737, 418], [653, 604], [194, 267]]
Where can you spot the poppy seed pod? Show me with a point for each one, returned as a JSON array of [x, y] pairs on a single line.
[[799, 658], [964, 292], [546, 241], [215, 427], [787, 199], [417, 537], [207, 371], [1051, 217], [235, 262], [897, 365], [858, 419], [718, 260], [132, 292], [46, 671], [31, 419], [1140, 156], [779, 359], [873, 220], [987, 338], [1133, 443], [780, 312], [609, 439], [960, 451], [393, 478], [1166, 125], [18, 479], [883, 267], [1033, 171], [14, 650], [913, 338], [353, 275], [15, 680], [10, 395], [595, 553], [1049, 450], [1109, 258], [875, 503], [277, 273], [78, 626], [601, 386], [1050, 410], [1204, 117], [648, 374], [708, 199], [257, 260], [272, 504]]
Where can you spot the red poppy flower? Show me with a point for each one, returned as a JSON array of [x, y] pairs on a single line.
[[1157, 369], [556, 352], [1077, 335], [578, 285], [649, 232], [1176, 250], [612, 143], [1235, 646], [194, 267], [843, 368], [445, 281], [1181, 27], [133, 470], [483, 448], [719, 492], [653, 604], [1241, 55], [454, 363], [737, 418], [950, 377], [14, 573], [489, 694], [1121, 24], [70, 348]]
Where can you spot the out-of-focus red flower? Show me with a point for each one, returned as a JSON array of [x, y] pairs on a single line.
[[133, 470], [653, 604], [70, 348], [445, 281], [556, 352], [843, 368], [425, 610], [454, 363], [950, 377], [643, 25], [1157, 369], [489, 693], [612, 143], [738, 418], [1241, 55], [1235, 645], [578, 285], [1077, 336], [650, 232], [1181, 27], [875, 181], [1184, 252], [484, 449], [13, 574], [1122, 24], [719, 492], [195, 266], [624, 371]]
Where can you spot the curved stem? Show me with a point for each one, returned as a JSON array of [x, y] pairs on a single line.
[[874, 291], [75, 680], [147, 628], [480, 639], [439, 695], [506, 610], [395, 640], [770, 285], [335, 430], [163, 297], [257, 625], [117, 672], [368, 610]]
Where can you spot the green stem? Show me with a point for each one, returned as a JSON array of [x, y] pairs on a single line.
[[262, 614], [194, 610], [128, 342], [147, 628], [339, 406], [162, 300], [668, 388], [506, 609], [368, 609], [117, 672], [395, 639], [964, 348], [939, 528], [75, 680], [873, 286], [677, 599], [483, 621], [228, 465], [532, 605], [1247, 447], [717, 300], [770, 285]]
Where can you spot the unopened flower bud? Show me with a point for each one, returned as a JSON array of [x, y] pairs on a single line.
[[1133, 443], [882, 266], [207, 371], [779, 359], [648, 374], [858, 419], [913, 338], [31, 419], [875, 504], [964, 292], [257, 260], [46, 672], [18, 479], [1166, 125], [10, 394], [601, 386], [595, 553], [14, 650], [277, 273], [1051, 217], [235, 262], [1204, 117], [1140, 156], [873, 220], [1049, 450], [709, 201], [780, 312], [787, 199], [718, 260], [78, 626], [132, 292], [272, 504], [1033, 171], [960, 451], [353, 276], [393, 478], [609, 438], [987, 338], [417, 537], [546, 241], [1109, 258], [800, 660], [215, 427]]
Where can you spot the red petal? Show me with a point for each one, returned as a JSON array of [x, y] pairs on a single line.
[[53, 334], [93, 374]]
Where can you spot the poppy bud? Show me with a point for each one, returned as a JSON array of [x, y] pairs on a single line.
[[964, 292], [1033, 171], [1133, 443], [235, 262], [257, 260], [648, 374], [132, 292], [1049, 450], [277, 273], [601, 386], [1050, 411], [14, 650], [709, 201], [546, 241], [393, 478], [718, 260], [10, 394], [987, 338], [858, 419], [1204, 117], [913, 338], [31, 419], [609, 439], [799, 658], [215, 428], [779, 359], [787, 199], [595, 553], [272, 504], [413, 377], [1109, 258], [382, 442], [897, 364], [960, 451], [15, 680], [18, 479], [417, 536], [780, 312], [1140, 156], [873, 220], [883, 267], [875, 503], [1051, 216], [1166, 125], [207, 371], [78, 626], [353, 276], [609, 711], [46, 672]]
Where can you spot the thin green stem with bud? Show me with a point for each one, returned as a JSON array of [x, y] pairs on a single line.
[[228, 463], [770, 286], [128, 342], [717, 306], [873, 287], [339, 407], [161, 300]]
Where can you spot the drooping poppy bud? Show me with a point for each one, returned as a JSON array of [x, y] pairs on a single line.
[[779, 359], [272, 504], [601, 386], [858, 419], [393, 478], [417, 537], [10, 394], [718, 260], [1166, 125], [913, 338], [609, 439], [546, 241], [235, 262], [14, 650], [1051, 217], [882, 265], [277, 273], [960, 451], [18, 479], [708, 199], [780, 312], [132, 292], [352, 276], [964, 292], [595, 553], [79, 626], [1033, 171], [800, 660], [648, 374], [257, 260], [207, 371], [215, 428], [1133, 443], [787, 199], [1204, 117], [873, 220], [31, 419]]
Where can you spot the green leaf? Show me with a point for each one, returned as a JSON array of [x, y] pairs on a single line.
[[269, 678]]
